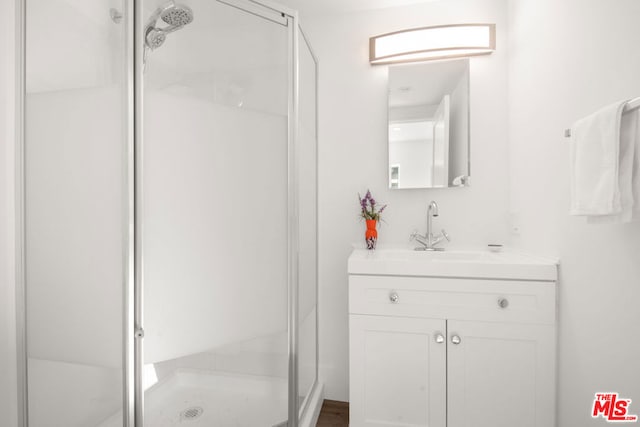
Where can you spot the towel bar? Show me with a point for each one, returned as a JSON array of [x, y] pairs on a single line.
[[631, 105]]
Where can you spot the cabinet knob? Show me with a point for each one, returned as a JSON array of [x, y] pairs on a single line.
[[439, 338], [394, 298], [503, 302], [455, 339]]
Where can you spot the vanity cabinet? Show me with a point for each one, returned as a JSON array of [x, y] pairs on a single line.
[[398, 371], [451, 352]]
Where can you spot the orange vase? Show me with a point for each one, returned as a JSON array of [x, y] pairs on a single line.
[[371, 235]]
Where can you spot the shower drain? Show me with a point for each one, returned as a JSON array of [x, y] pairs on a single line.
[[191, 414]]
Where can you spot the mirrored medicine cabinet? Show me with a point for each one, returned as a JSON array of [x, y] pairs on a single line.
[[428, 125]]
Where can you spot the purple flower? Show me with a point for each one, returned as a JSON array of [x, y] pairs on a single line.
[[363, 202], [368, 207]]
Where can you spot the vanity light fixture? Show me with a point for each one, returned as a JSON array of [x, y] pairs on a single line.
[[428, 43]]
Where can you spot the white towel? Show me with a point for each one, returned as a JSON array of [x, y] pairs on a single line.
[[635, 181], [628, 172], [595, 148]]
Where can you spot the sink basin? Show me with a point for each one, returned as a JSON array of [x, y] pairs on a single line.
[[428, 256], [467, 264]]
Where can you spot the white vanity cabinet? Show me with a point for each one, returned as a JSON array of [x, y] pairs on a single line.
[[451, 352], [398, 371]]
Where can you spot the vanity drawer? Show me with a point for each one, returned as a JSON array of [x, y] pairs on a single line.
[[450, 298]]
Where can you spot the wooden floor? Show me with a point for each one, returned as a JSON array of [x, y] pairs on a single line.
[[334, 414]]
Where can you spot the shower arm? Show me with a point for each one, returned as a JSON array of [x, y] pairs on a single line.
[[153, 19]]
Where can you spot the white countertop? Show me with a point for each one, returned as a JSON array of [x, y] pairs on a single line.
[[480, 264]]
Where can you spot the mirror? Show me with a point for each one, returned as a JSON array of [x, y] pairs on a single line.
[[429, 125]]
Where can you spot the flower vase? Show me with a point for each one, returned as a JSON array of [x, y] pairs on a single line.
[[371, 235]]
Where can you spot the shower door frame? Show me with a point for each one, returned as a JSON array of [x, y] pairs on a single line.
[[20, 247], [304, 41], [133, 329]]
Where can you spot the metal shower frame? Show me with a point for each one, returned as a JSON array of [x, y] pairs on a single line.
[[133, 329]]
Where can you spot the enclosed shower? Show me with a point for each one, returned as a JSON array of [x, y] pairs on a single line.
[[169, 248]]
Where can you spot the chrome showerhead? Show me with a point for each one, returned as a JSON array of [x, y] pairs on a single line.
[[177, 15], [155, 37]]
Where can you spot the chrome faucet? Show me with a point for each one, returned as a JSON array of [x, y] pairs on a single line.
[[429, 241]]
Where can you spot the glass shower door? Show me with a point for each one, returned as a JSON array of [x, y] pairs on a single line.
[[214, 215], [308, 222], [75, 219]]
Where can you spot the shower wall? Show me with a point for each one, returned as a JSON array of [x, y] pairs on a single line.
[[75, 256], [215, 231], [71, 278]]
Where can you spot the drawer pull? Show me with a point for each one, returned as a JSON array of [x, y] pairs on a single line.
[[455, 339], [394, 298], [439, 338], [503, 303]]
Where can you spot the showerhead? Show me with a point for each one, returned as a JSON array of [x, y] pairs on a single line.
[[155, 37], [175, 16]]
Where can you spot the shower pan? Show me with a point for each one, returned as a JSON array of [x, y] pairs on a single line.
[[169, 186]]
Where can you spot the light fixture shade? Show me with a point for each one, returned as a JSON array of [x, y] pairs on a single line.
[[427, 43]]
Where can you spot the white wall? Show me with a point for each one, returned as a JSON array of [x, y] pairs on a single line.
[[567, 59], [353, 155], [8, 412]]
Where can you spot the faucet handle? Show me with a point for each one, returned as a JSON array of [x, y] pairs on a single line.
[[413, 235], [446, 236]]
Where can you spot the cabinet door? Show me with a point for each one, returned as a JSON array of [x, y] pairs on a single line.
[[500, 374], [397, 372]]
